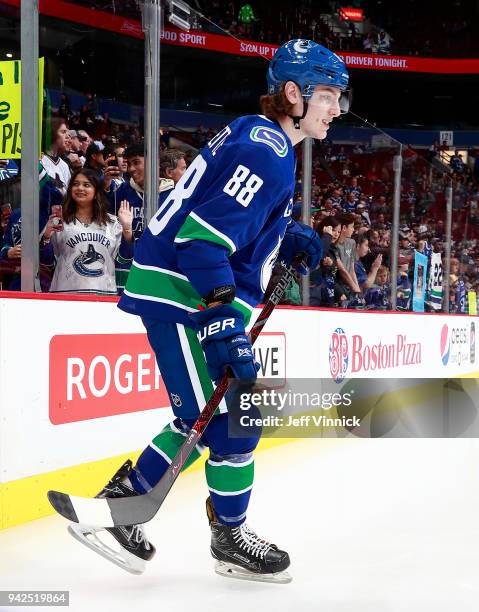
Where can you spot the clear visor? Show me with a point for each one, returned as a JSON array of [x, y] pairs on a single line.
[[329, 100]]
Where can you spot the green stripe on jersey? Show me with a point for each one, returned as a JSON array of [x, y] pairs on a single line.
[[201, 367], [157, 282], [229, 478], [161, 284], [195, 228], [168, 441]]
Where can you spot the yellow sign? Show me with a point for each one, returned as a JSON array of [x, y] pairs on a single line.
[[11, 108], [471, 296]]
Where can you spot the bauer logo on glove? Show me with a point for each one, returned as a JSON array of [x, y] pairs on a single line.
[[215, 328], [222, 336]]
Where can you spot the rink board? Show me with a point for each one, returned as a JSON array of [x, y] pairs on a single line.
[[80, 390]]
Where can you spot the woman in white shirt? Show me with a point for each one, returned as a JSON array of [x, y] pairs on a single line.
[[84, 239], [56, 167]]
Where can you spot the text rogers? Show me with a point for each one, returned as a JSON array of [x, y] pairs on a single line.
[[367, 357]]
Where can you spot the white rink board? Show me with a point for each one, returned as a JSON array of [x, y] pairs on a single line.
[[297, 344]]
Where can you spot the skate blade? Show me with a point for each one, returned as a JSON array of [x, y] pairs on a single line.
[[88, 536], [234, 571]]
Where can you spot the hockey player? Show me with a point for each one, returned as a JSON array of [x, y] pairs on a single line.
[[200, 268]]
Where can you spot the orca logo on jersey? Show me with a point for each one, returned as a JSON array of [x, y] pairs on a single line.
[[270, 137], [267, 267], [89, 263], [289, 209]]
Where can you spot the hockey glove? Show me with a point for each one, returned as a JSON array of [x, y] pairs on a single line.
[[300, 238], [224, 342]]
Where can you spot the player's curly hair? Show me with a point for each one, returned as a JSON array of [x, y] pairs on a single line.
[[276, 106]]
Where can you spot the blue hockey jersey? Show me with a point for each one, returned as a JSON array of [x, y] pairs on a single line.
[[222, 224]]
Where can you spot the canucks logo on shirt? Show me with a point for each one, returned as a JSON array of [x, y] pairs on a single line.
[[272, 138], [89, 263]]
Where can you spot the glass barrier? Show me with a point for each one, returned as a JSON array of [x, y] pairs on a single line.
[[93, 113], [364, 181], [10, 176]]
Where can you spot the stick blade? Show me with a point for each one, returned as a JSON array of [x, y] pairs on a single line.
[[86, 510], [62, 504]]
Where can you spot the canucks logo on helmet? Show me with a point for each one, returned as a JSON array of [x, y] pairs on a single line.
[[307, 64], [89, 263]]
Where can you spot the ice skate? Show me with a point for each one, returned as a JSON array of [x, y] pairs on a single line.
[[134, 547], [240, 553]]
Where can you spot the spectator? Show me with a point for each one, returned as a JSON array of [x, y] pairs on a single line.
[[11, 245], [85, 140], [116, 167], [326, 290], [346, 255], [5, 212], [71, 158], [354, 189], [349, 204], [362, 211], [95, 158], [75, 148], [377, 296], [85, 244], [132, 191], [404, 293], [406, 249], [55, 166], [172, 168], [384, 43], [365, 279], [119, 151], [456, 163], [172, 164]]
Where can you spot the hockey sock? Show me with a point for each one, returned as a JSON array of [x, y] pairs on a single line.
[[230, 480], [155, 459]]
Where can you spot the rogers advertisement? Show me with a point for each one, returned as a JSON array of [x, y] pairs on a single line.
[[100, 375]]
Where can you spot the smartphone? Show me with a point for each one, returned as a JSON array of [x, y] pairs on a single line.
[[58, 220], [112, 161]]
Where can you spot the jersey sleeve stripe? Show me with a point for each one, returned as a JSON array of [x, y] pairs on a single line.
[[168, 287], [196, 228]]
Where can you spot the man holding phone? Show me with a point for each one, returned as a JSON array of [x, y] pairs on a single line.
[[131, 190]]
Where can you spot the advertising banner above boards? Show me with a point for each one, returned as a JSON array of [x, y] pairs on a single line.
[[88, 387], [226, 44]]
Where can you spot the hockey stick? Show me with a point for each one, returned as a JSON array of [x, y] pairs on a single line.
[[115, 512]]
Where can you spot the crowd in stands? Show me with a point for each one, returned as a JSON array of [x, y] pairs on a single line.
[[352, 212], [441, 29], [91, 213], [91, 185]]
